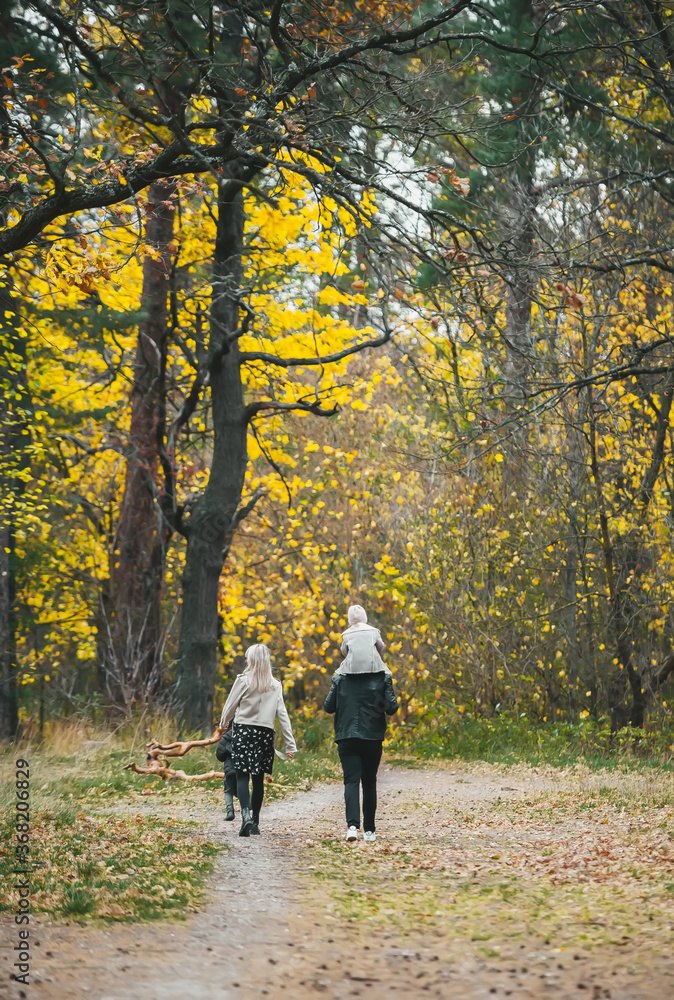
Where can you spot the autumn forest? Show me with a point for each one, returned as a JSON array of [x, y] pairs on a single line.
[[308, 304]]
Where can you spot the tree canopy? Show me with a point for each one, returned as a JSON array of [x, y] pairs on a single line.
[[304, 305]]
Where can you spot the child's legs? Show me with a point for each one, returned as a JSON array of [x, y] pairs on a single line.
[[258, 792], [371, 758], [352, 769], [230, 776], [242, 789]]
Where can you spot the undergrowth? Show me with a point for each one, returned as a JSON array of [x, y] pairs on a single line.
[[514, 740]]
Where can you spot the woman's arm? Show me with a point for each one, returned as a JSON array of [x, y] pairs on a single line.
[[232, 703], [379, 642], [286, 728]]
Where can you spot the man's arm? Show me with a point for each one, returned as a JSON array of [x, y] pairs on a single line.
[[391, 703], [330, 705]]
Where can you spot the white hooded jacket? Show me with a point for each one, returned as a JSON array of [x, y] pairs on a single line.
[[362, 646]]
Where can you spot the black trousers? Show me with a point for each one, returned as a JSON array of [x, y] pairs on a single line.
[[243, 791], [360, 763]]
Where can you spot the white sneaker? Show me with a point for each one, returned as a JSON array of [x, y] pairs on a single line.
[[369, 836], [352, 833]]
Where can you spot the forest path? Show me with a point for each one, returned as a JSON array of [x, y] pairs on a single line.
[[273, 928]]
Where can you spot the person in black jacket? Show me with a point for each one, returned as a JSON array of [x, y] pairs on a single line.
[[360, 703]]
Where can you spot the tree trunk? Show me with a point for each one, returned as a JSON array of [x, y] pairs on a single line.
[[212, 522], [519, 292], [576, 563], [9, 715], [14, 436], [619, 619], [133, 652], [571, 623], [620, 615], [520, 218]]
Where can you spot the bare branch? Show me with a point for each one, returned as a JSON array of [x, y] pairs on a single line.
[[664, 671], [248, 357], [269, 404], [170, 162], [68, 30], [163, 770], [181, 747], [244, 511], [277, 32]]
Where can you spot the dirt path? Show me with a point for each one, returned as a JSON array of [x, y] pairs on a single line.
[[273, 928]]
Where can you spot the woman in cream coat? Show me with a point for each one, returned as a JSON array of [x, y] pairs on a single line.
[[254, 702]]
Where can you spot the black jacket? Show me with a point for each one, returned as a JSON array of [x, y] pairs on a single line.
[[360, 703], [224, 747]]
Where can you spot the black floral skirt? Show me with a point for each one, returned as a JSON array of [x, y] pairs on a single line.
[[253, 749]]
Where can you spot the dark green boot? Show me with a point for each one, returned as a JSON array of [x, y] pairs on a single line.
[[246, 823], [229, 806]]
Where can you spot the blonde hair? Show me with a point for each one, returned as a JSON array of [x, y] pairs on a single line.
[[258, 669]]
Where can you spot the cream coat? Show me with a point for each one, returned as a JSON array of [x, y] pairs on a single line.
[[255, 708]]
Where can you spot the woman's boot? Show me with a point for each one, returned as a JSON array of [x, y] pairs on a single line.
[[229, 806], [255, 829], [246, 823]]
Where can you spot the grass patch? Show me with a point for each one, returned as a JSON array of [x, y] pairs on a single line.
[[88, 774], [302, 773], [371, 888], [575, 859], [510, 740], [111, 867]]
